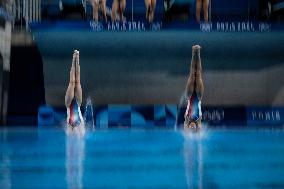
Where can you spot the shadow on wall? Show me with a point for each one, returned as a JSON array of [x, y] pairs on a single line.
[[26, 91]]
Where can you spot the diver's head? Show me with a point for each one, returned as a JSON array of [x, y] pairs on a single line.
[[190, 126]]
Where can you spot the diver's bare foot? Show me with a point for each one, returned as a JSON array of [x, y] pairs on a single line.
[[77, 67], [196, 47]]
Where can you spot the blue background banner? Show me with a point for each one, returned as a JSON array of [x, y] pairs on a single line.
[[148, 116], [263, 116]]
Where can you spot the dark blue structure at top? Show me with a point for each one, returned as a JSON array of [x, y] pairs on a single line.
[[220, 10]]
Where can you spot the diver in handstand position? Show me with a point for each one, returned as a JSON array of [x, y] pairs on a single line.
[[194, 92], [73, 98]]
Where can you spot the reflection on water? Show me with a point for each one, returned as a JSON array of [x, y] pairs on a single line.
[[5, 177], [193, 159], [5, 173], [47, 158], [75, 151]]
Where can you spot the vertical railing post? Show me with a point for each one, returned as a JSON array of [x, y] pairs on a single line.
[[132, 11]]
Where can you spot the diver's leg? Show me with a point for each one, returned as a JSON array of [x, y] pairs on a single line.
[[199, 82], [192, 74], [153, 10], [103, 7], [147, 5], [78, 88], [205, 10], [114, 10], [95, 11], [122, 6], [70, 90], [198, 8]]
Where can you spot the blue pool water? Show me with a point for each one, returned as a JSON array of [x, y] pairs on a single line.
[[31, 158]]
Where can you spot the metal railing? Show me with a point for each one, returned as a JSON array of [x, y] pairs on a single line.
[[27, 10]]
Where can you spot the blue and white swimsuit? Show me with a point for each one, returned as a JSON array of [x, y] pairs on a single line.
[[193, 110], [74, 115]]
